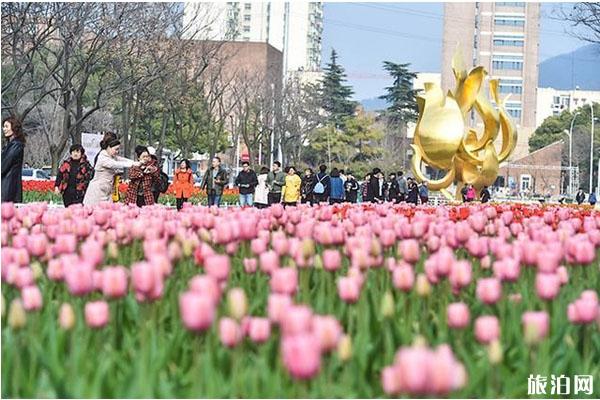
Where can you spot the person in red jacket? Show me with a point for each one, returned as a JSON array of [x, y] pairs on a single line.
[[183, 183]]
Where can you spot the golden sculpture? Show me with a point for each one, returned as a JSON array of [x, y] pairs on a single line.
[[444, 140]]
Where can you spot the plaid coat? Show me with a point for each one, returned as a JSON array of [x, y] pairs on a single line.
[[137, 177]]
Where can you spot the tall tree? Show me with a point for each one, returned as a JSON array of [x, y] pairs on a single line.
[[401, 95], [335, 96]]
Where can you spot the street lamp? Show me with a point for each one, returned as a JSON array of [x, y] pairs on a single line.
[[570, 133], [592, 147]]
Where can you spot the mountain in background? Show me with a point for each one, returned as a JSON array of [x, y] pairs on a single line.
[[374, 104], [580, 67]]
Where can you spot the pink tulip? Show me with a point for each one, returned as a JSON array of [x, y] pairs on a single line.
[[96, 314], [458, 315], [206, 285], [328, 330], [563, 275], [301, 355], [403, 278], [32, 298], [277, 306], [585, 309], [547, 286], [218, 266], [259, 329], [268, 261], [250, 265], [487, 329], [535, 325], [144, 277], [507, 269], [284, 281], [114, 282], [36, 244], [332, 260], [409, 249], [489, 290], [79, 278], [348, 289], [197, 311], [229, 332], [387, 238], [66, 316], [258, 246], [296, 319], [24, 277], [460, 274]]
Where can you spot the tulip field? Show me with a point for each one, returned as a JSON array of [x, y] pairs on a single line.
[[364, 301]]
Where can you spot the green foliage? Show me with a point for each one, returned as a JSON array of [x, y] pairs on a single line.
[[335, 96], [551, 130], [401, 96]]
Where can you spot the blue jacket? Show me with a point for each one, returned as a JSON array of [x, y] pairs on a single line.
[[337, 188]]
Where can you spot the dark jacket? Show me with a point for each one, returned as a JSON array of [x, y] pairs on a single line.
[[580, 198], [12, 165], [413, 194], [393, 190], [326, 181], [275, 181], [376, 192], [592, 198], [246, 181], [351, 187], [219, 183], [307, 186], [485, 195], [337, 188], [74, 190]]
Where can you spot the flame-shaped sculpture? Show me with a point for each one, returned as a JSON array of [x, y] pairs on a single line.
[[444, 140]]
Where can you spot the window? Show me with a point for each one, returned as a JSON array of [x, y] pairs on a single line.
[[513, 112], [27, 172], [510, 4], [509, 21], [246, 28], [556, 100], [247, 18], [508, 42], [513, 65], [247, 6], [525, 182], [511, 86]]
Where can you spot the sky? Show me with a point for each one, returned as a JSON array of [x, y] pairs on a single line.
[[366, 34]]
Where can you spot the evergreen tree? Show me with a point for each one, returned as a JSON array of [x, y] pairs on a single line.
[[401, 95], [335, 96]]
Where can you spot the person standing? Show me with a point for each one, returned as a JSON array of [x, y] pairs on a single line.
[[367, 195], [74, 176], [261, 193], [471, 193], [485, 195], [580, 197], [351, 188], [309, 180], [393, 189], [12, 160], [377, 185], [290, 194], [141, 179], [424, 193], [215, 179], [108, 166], [162, 184], [246, 181], [275, 183], [402, 189], [323, 185], [337, 187], [183, 183], [592, 198], [412, 196]]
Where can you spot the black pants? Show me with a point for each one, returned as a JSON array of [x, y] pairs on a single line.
[[335, 201], [180, 202], [71, 197], [155, 194], [308, 199], [274, 197], [141, 202], [260, 205], [291, 204], [321, 198], [351, 197]]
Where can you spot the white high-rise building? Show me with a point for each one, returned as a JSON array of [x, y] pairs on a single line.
[[295, 28]]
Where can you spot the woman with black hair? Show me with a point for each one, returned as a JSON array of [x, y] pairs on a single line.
[[142, 178], [12, 160], [74, 176], [309, 180], [108, 165], [183, 183]]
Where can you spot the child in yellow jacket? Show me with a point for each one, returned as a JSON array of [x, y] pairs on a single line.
[[290, 193]]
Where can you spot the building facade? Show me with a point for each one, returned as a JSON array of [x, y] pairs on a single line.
[[294, 28], [503, 37], [551, 102]]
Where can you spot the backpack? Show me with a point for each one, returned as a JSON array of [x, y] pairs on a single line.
[[319, 187], [163, 182]]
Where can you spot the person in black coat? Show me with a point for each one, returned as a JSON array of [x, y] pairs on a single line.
[[377, 186], [351, 187], [309, 180], [485, 195], [413, 191], [393, 189], [74, 176], [324, 179], [247, 182], [12, 161], [579, 198]]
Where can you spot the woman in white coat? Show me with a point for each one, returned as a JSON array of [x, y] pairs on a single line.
[[107, 166]]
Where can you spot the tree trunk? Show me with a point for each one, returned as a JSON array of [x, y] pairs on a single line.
[[163, 131]]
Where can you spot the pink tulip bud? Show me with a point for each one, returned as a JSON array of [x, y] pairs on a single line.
[[24, 277], [229, 332], [250, 265], [328, 331], [206, 285], [489, 290], [458, 315], [268, 261], [284, 281], [114, 282], [197, 311], [403, 278], [96, 314], [563, 275], [410, 251], [237, 302], [258, 246], [348, 289], [296, 319], [79, 278], [390, 380], [277, 306], [332, 260], [460, 274], [547, 286], [36, 244], [66, 317], [535, 325], [301, 355], [259, 329], [218, 266], [487, 329], [32, 298], [585, 309]]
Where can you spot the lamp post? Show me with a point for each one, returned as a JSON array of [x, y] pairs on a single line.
[[592, 148], [571, 155]]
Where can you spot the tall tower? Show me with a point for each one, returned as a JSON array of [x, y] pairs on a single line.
[[294, 27], [504, 38]]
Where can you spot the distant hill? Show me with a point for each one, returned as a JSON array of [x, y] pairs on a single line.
[[580, 67], [373, 104]]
